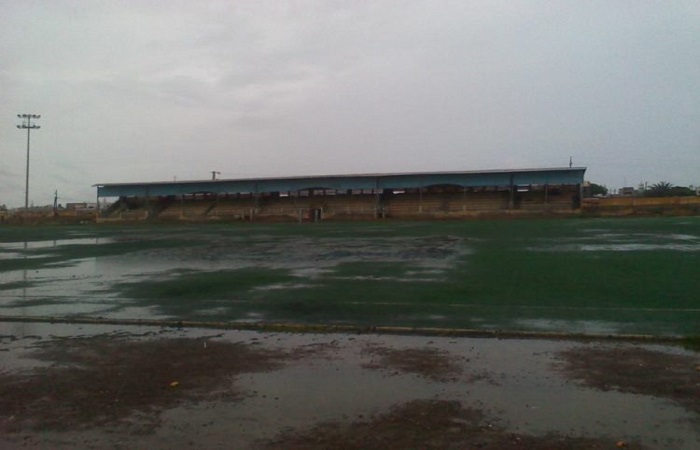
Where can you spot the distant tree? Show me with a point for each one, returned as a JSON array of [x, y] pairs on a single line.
[[666, 189], [660, 189], [682, 191], [594, 190]]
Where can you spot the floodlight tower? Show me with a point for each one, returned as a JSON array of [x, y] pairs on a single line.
[[29, 125]]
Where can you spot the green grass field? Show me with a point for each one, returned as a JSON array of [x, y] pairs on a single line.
[[611, 276]]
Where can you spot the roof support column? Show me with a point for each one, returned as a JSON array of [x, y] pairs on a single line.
[[256, 203], [377, 200], [148, 205], [464, 199], [420, 199], [511, 194], [578, 201]]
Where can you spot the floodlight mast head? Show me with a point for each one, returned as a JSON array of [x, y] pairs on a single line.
[[27, 122]]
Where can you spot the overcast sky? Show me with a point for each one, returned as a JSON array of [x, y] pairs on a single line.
[[157, 90]]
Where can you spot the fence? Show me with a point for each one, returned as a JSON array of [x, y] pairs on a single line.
[[631, 206]]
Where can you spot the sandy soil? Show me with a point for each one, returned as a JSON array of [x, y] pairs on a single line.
[[65, 386]]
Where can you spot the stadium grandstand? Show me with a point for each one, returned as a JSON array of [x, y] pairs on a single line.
[[427, 195]]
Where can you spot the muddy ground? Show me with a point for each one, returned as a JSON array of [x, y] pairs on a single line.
[[69, 386]]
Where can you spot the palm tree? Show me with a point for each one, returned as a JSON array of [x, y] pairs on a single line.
[[660, 189]]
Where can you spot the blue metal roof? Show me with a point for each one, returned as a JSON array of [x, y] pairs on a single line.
[[568, 175]]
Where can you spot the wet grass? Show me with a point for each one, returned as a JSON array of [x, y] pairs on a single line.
[[15, 285], [33, 302], [206, 285], [366, 271], [188, 294], [8, 265], [692, 343], [651, 279], [492, 274]]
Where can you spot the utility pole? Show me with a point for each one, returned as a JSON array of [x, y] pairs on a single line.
[[29, 125]]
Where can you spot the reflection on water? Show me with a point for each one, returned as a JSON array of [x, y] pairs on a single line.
[[33, 245], [616, 242]]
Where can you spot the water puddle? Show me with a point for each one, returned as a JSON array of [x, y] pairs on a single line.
[[37, 245], [621, 242], [518, 385]]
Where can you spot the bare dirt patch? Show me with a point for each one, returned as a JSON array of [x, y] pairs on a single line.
[[636, 370], [101, 380], [430, 363], [430, 424]]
